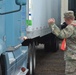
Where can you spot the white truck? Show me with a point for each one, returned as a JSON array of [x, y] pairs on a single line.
[[37, 14]]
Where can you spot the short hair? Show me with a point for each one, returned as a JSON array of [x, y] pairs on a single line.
[[69, 15]]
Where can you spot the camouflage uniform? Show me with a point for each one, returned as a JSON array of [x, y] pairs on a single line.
[[70, 54]]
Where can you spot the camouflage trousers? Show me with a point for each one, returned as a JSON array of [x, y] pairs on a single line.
[[70, 68], [70, 63]]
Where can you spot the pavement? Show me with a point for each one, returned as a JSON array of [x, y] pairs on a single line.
[[49, 63]]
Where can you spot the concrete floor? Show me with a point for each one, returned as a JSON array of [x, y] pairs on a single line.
[[50, 63]]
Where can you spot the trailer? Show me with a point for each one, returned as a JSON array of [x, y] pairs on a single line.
[[37, 29], [13, 57]]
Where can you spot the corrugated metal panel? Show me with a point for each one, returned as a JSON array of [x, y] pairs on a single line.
[[39, 12]]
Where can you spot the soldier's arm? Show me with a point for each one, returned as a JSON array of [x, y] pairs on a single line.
[[65, 33]]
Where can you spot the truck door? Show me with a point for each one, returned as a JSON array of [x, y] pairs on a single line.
[[14, 20], [2, 31]]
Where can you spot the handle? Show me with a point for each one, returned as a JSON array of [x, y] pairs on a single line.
[[11, 11]]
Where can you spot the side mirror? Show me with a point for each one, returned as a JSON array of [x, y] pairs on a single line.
[[20, 2]]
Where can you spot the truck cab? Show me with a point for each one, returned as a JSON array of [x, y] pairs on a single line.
[[13, 56]]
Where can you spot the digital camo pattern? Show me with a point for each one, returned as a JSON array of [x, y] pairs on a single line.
[[70, 54], [65, 33], [70, 68]]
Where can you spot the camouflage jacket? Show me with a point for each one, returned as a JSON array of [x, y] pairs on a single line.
[[70, 33]]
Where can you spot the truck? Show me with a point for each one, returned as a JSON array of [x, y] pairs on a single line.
[[27, 18], [13, 57], [19, 18]]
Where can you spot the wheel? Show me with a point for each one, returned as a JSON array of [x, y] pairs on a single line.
[[30, 63], [53, 44], [34, 56], [31, 59], [0, 70]]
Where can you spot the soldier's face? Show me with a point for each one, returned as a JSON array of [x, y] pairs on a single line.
[[69, 21]]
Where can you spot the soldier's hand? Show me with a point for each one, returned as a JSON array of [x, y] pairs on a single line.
[[74, 24], [24, 38], [51, 21]]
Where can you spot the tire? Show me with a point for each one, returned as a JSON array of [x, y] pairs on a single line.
[[0, 70], [53, 44], [34, 56], [30, 62], [31, 59]]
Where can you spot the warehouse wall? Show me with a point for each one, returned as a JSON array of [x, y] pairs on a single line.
[[64, 8]]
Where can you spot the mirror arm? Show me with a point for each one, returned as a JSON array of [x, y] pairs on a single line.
[[11, 11]]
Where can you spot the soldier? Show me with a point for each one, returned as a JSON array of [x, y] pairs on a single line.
[[66, 20], [68, 32]]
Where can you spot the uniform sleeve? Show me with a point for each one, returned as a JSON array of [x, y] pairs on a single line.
[[64, 33]]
